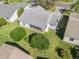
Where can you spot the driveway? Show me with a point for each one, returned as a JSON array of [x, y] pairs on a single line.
[[11, 52]]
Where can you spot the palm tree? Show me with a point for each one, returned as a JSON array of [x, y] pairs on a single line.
[[75, 6]]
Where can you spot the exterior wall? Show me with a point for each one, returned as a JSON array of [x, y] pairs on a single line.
[[67, 39], [51, 27], [25, 25], [14, 17]]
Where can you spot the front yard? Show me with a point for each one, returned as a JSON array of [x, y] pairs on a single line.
[[50, 53]]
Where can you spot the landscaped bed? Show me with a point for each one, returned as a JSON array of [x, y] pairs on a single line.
[[54, 42]]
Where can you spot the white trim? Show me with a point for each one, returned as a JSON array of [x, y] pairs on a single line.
[[14, 16], [67, 39], [26, 25], [51, 27]]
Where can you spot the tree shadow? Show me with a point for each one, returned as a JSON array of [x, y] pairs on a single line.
[[60, 31], [75, 52], [30, 36], [41, 58], [18, 46]]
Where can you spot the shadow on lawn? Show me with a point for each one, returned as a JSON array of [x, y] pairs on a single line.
[[16, 45], [42, 57]]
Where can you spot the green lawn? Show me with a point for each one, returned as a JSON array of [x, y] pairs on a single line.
[[5, 31], [51, 53], [16, 1], [66, 0], [52, 9]]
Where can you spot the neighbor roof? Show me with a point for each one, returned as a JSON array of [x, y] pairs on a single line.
[[11, 52], [72, 29], [63, 5], [36, 16], [8, 10], [54, 18]]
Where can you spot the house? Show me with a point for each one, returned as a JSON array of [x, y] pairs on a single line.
[[11, 52], [38, 17], [35, 17], [10, 11], [72, 30]]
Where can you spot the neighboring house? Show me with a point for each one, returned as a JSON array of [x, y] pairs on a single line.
[[38, 17], [11, 52], [10, 11], [72, 30]]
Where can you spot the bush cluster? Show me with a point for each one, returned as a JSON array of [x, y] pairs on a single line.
[[17, 34], [39, 41], [2, 21]]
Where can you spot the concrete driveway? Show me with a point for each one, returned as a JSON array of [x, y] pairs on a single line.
[[11, 52]]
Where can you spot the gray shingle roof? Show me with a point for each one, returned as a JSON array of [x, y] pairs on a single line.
[[39, 17], [36, 16], [72, 29], [18, 5], [54, 18], [8, 10]]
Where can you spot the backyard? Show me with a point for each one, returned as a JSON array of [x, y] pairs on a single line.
[[50, 53]]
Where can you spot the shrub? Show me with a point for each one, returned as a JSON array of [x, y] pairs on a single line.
[[47, 4], [38, 41], [20, 11], [17, 34], [75, 52], [60, 52], [2, 21]]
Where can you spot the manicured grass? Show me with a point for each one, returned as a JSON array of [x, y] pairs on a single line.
[[18, 33], [16, 1], [66, 0], [54, 40], [52, 9], [5, 31], [51, 53]]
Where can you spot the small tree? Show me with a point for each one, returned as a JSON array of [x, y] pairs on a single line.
[[75, 52], [75, 6], [60, 52], [20, 11], [47, 4], [17, 34], [2, 21], [38, 41]]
